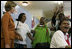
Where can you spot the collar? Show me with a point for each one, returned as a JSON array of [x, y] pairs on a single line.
[[41, 25], [66, 34]]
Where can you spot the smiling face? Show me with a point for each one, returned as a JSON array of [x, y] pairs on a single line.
[[64, 26], [42, 21]]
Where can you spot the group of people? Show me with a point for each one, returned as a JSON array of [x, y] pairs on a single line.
[[13, 34]]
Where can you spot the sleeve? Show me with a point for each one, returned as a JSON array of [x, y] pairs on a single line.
[[5, 22], [60, 41], [15, 23], [28, 28], [48, 31]]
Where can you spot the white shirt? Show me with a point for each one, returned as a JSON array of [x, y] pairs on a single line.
[[70, 40], [22, 29], [58, 40]]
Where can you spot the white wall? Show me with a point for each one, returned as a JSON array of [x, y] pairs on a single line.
[[36, 12], [67, 8], [67, 13], [2, 7], [1, 10]]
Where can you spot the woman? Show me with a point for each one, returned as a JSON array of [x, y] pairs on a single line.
[[60, 14], [60, 38], [41, 36], [8, 34], [7, 26], [23, 30]]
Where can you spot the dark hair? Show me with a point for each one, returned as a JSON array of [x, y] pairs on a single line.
[[64, 19], [20, 16], [9, 5], [61, 16], [42, 20]]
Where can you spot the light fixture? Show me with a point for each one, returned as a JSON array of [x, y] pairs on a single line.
[[25, 3], [3, 2], [59, 2]]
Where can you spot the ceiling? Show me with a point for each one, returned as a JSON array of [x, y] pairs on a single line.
[[46, 6]]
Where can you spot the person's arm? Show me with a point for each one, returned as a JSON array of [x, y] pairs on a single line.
[[55, 15], [18, 36], [54, 19], [30, 36], [28, 33], [33, 32], [5, 22]]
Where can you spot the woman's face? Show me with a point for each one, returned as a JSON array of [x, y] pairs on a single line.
[[23, 18], [13, 10], [64, 26]]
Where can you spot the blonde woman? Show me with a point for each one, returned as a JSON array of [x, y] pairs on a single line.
[[7, 26]]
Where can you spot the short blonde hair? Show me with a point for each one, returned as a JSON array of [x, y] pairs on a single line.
[[9, 5]]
